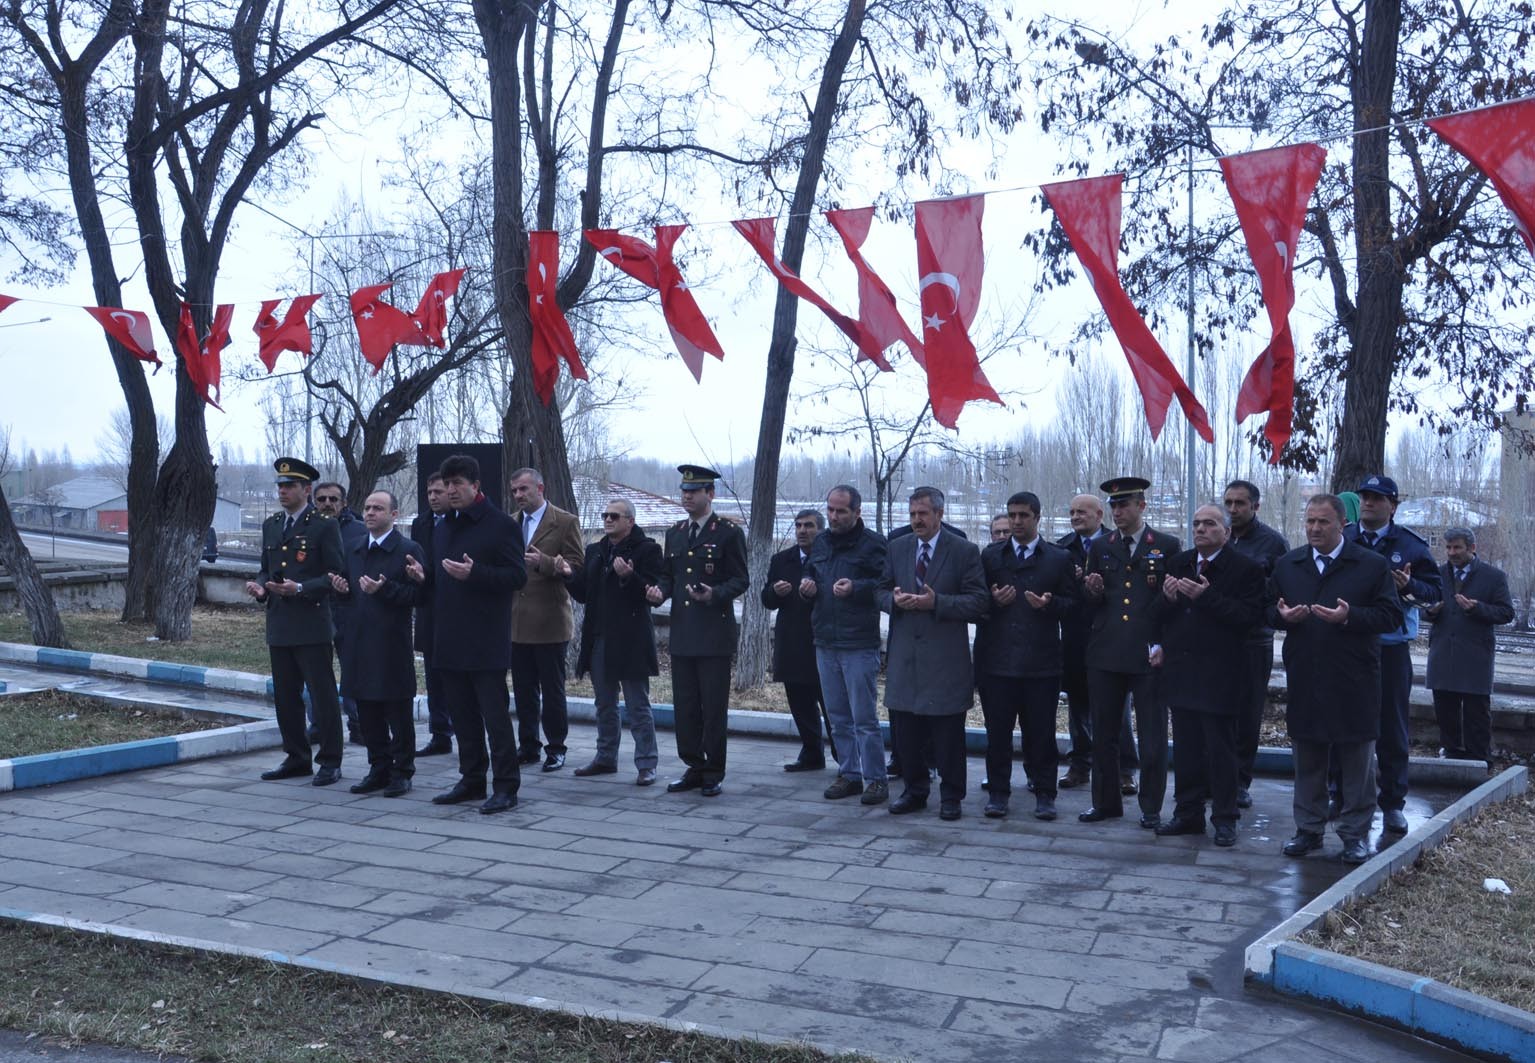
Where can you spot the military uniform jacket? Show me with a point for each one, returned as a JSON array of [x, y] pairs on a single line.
[[1123, 627], [718, 560], [1404, 548], [307, 555], [1461, 645]]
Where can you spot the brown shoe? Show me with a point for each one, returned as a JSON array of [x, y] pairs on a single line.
[[1074, 778]]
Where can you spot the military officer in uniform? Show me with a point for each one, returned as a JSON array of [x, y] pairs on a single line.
[[1123, 579], [300, 549], [703, 573]]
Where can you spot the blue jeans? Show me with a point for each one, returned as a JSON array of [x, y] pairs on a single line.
[[848, 687], [642, 724]]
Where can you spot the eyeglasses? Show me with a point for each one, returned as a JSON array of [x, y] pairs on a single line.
[[327, 498], [614, 516]]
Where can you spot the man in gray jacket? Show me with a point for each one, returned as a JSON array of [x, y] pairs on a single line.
[[1461, 646], [934, 588]]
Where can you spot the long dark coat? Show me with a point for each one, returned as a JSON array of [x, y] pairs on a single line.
[[421, 530], [1204, 665], [616, 609], [1461, 643], [793, 642], [1332, 671], [376, 659], [472, 618], [1019, 640], [928, 669]]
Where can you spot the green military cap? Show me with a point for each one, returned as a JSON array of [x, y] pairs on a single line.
[[697, 477], [294, 471], [1124, 487]]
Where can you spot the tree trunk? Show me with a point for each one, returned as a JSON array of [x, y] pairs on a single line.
[[36, 598], [756, 651], [1361, 447], [184, 499]]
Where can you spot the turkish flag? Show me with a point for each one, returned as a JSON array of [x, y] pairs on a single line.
[[379, 325], [656, 268], [761, 233], [1089, 212], [128, 327], [203, 360], [1500, 140], [1270, 190], [877, 310], [552, 339], [950, 262], [291, 335], [431, 316], [6, 301]]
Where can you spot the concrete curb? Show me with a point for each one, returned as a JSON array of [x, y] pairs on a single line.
[[1418, 1004], [190, 675]]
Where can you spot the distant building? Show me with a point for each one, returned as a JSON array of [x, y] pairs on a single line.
[[96, 503]]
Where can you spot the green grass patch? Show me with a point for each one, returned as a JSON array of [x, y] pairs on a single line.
[[47, 721], [85, 988]]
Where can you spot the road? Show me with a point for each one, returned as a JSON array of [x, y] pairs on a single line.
[[46, 547]]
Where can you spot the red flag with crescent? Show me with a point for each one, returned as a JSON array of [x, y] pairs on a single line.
[[762, 233], [1089, 212], [877, 310], [6, 301], [552, 338], [203, 360], [950, 264], [431, 316], [1270, 190], [379, 325], [656, 268], [291, 335], [128, 327], [1500, 141]]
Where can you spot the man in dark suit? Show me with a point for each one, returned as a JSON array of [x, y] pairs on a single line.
[[330, 500], [933, 588], [794, 662], [1333, 598], [1212, 599], [378, 669], [300, 548], [1258, 542], [1461, 646], [423, 531], [703, 575], [1018, 654], [1124, 577], [479, 570]]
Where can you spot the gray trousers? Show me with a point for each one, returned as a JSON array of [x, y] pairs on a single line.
[[1356, 791], [642, 724]]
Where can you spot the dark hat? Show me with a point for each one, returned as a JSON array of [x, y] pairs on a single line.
[[1378, 485], [697, 477], [1123, 486], [294, 471]]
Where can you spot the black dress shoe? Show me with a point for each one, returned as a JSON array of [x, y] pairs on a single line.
[[906, 803], [948, 810], [893, 770], [1179, 825], [805, 765], [1044, 807], [459, 793], [439, 745], [1244, 799], [1074, 778], [1150, 821], [996, 808], [711, 789], [1225, 835], [529, 756], [1394, 820], [1127, 784], [1304, 842], [288, 769], [498, 803], [371, 783], [1098, 815], [684, 784], [397, 787], [326, 777], [595, 768], [1356, 851], [554, 762]]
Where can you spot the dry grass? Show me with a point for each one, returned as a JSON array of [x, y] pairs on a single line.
[[47, 721], [80, 988], [1437, 919], [222, 637]]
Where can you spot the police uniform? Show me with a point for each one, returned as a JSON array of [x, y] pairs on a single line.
[[702, 635], [304, 548]]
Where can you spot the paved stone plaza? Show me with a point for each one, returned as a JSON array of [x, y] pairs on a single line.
[[766, 911]]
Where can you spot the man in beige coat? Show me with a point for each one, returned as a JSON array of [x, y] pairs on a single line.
[[542, 621]]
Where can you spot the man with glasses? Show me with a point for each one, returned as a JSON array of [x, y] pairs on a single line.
[[330, 500]]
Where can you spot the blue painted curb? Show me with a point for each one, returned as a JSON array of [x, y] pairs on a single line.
[[47, 769]]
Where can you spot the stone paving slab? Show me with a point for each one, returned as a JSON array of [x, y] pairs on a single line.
[[766, 911]]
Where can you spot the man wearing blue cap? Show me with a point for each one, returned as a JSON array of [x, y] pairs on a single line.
[[1417, 584]]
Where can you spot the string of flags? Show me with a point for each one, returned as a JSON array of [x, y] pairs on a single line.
[[1270, 191]]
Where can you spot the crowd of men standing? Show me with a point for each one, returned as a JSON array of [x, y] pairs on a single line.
[[1122, 620]]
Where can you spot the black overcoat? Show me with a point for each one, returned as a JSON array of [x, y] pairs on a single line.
[[1461, 645], [793, 640], [616, 609], [1019, 640], [377, 663], [472, 618], [1204, 661]]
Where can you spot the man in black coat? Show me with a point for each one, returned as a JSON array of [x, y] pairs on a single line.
[[478, 571], [1212, 600], [1333, 598], [378, 669], [300, 548], [330, 500], [1461, 647], [1033, 585], [1124, 577], [618, 641], [794, 662], [704, 573], [423, 530]]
